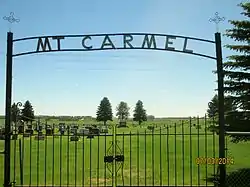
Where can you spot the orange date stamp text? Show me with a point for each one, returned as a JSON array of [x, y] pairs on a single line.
[[213, 160]]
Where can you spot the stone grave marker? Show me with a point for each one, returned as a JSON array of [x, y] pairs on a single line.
[[74, 138]]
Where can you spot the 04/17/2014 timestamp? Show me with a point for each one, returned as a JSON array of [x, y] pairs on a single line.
[[213, 160]]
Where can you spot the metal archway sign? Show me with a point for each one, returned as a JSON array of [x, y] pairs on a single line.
[[45, 44]]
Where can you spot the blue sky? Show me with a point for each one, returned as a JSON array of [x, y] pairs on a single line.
[[169, 84]]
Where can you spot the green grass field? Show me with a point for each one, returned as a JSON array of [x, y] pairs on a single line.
[[159, 159]]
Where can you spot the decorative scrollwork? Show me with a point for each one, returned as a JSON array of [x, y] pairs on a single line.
[[11, 18], [19, 104], [217, 19]]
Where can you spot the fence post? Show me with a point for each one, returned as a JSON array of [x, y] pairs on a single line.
[[220, 75], [7, 182]]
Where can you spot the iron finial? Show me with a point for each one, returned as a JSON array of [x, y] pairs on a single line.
[[217, 19], [11, 19]]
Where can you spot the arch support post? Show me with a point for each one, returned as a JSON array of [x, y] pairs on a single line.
[[7, 144], [220, 75]]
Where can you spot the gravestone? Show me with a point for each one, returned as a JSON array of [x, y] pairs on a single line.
[[122, 124], [62, 132], [94, 131], [151, 128], [74, 138], [62, 128], [14, 136], [29, 130], [49, 130], [20, 129], [104, 129], [90, 136], [40, 128]]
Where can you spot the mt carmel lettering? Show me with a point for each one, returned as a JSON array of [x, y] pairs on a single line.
[[148, 41]]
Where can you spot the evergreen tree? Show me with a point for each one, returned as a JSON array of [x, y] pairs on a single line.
[[213, 106], [15, 113], [28, 112], [237, 75], [104, 111], [139, 113], [122, 111]]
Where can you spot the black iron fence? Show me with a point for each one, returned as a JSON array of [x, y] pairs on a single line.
[[238, 147], [175, 154]]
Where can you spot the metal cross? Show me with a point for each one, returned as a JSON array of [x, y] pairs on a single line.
[[11, 19], [217, 19]]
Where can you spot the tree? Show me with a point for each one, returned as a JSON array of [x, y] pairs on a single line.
[[212, 110], [15, 113], [139, 113], [151, 117], [27, 112], [237, 75], [104, 111], [122, 111], [213, 106]]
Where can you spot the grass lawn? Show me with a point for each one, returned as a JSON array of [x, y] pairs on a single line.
[[160, 159]]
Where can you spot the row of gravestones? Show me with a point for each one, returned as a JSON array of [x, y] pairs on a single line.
[[153, 127], [42, 137], [49, 131]]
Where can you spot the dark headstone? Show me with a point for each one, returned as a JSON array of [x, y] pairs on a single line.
[[94, 131], [49, 132], [14, 136], [104, 130], [29, 131], [74, 138], [21, 129], [122, 124], [151, 128], [90, 136]]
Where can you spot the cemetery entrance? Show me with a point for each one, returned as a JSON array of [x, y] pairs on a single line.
[[59, 154]]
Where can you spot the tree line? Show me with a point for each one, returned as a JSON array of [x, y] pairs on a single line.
[[104, 112]]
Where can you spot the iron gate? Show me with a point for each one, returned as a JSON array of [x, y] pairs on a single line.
[[158, 155], [149, 43]]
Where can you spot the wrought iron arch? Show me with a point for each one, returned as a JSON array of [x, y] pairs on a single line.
[[148, 43], [44, 46]]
